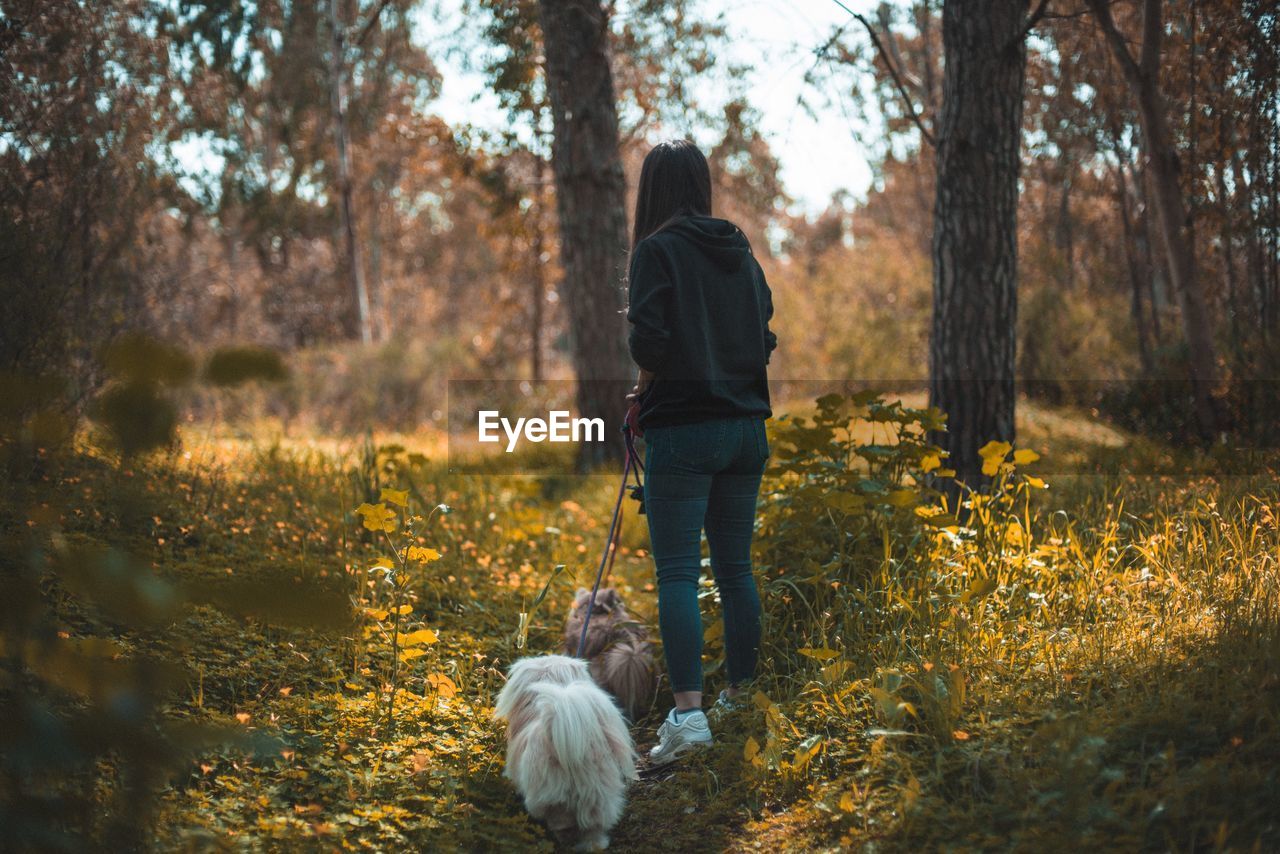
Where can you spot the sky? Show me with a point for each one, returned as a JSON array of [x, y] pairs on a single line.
[[775, 38]]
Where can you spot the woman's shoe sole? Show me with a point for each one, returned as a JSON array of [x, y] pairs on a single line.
[[678, 752]]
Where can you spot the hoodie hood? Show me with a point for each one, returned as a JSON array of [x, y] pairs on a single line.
[[720, 240]]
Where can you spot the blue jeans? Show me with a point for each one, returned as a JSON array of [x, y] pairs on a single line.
[[697, 476]]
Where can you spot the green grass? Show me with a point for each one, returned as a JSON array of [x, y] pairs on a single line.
[[1116, 686]]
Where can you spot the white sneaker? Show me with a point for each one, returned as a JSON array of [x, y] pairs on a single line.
[[676, 738], [725, 704]]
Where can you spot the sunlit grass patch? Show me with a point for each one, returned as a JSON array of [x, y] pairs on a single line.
[[1048, 674]]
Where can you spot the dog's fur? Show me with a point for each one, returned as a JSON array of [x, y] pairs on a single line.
[[618, 649], [569, 751]]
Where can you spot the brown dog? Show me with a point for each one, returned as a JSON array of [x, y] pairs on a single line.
[[617, 649]]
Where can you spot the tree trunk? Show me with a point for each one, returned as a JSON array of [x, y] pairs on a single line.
[[1152, 262], [590, 200], [538, 275], [1237, 305], [377, 301], [1253, 252], [1171, 217], [359, 322], [1064, 234], [975, 235], [1170, 206], [1135, 276]]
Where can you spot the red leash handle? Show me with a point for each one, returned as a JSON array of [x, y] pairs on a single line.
[[632, 421]]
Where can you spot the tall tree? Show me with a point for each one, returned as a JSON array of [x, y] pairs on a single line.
[[311, 108], [78, 182], [590, 201], [1163, 169], [363, 323], [975, 231]]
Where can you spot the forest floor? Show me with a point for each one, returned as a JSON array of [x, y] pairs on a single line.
[[1115, 685]]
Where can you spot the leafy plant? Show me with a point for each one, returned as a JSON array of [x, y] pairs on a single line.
[[390, 590]]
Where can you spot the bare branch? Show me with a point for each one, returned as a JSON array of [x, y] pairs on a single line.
[[1029, 25], [893, 72], [368, 26], [885, 21], [1119, 47], [1152, 31], [1034, 18]]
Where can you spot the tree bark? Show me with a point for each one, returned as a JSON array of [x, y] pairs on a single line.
[[1153, 263], [1135, 275], [359, 320], [590, 200], [975, 236], [1237, 306], [1172, 217], [1253, 252], [538, 277]]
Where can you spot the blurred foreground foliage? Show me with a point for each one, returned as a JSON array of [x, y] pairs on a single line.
[[85, 741]]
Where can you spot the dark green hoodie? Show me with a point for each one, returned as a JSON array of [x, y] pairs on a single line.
[[699, 314]]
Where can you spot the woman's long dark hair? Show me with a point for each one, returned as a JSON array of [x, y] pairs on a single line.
[[675, 182]]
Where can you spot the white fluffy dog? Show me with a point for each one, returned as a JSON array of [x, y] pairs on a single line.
[[569, 752]]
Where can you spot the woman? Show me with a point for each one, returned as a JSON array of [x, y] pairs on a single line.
[[699, 314]]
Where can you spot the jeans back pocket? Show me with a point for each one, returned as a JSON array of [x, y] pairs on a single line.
[[697, 445], [762, 440]]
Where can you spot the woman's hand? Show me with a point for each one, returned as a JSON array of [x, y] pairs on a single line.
[[643, 381]]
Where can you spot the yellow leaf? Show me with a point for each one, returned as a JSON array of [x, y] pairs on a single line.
[[822, 654], [411, 654], [846, 502], [805, 752], [1036, 482], [398, 497], [423, 555], [993, 454], [443, 685], [902, 498], [1023, 456], [352, 686], [762, 701], [377, 517], [713, 632], [979, 588], [835, 671], [930, 462], [377, 613], [846, 802], [404, 609], [946, 473], [887, 703], [994, 450], [421, 636], [383, 563], [751, 750]]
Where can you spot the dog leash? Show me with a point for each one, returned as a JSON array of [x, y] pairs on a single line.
[[630, 429]]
